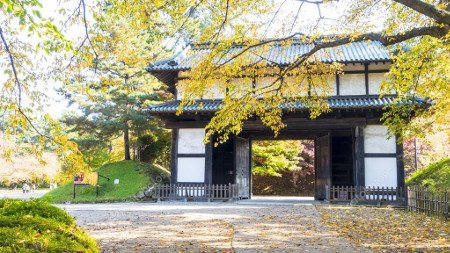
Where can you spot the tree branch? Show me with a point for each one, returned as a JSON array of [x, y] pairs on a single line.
[[439, 15], [13, 66], [18, 84]]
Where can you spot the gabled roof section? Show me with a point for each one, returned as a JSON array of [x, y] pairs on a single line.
[[337, 102], [356, 52]]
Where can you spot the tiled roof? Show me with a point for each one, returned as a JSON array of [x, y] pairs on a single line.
[[337, 102], [367, 51]]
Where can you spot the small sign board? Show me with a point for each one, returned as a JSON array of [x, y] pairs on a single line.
[[90, 178]]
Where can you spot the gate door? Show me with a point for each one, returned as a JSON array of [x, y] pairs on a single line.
[[323, 166], [242, 159]]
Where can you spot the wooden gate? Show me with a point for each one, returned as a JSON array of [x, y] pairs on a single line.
[[323, 166], [242, 165]]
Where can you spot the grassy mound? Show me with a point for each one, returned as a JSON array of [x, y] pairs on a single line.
[[133, 176], [436, 176], [37, 226]]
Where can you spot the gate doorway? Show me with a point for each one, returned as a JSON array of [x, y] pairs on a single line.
[[283, 168], [326, 158]]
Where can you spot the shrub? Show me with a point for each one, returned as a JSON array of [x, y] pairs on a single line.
[[436, 176], [37, 226]]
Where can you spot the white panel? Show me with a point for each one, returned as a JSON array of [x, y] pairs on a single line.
[[375, 80], [179, 87], [376, 140], [263, 82], [351, 67], [352, 84], [181, 84], [295, 87], [190, 141], [331, 89], [245, 84], [217, 91], [379, 66], [191, 169], [381, 171]]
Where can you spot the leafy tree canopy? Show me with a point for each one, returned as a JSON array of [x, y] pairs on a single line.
[[273, 157], [118, 38]]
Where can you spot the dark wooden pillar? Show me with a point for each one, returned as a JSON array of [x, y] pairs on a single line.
[[209, 161], [323, 166], [400, 166], [359, 157], [250, 176], [174, 156]]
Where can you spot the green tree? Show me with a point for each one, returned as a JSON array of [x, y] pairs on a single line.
[[272, 157], [421, 26], [111, 113]]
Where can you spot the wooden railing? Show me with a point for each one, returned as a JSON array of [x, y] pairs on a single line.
[[421, 199], [195, 192], [367, 195]]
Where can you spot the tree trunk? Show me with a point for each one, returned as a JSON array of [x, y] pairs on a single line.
[[126, 140]]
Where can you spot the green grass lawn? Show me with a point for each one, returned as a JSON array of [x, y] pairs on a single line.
[[133, 176]]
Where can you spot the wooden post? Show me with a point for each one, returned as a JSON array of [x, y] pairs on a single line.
[[74, 191], [359, 155]]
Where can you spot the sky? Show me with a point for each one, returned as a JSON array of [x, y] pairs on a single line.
[[288, 10]]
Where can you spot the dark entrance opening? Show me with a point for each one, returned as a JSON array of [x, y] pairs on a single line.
[[231, 165], [326, 159], [342, 160], [223, 162], [294, 162]]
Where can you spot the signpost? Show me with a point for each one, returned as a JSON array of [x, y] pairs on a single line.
[[88, 179]]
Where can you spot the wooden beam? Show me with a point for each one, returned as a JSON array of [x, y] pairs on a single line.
[[250, 176], [359, 150], [366, 77], [208, 161], [400, 165], [191, 155], [380, 155], [174, 157], [337, 85], [185, 124]]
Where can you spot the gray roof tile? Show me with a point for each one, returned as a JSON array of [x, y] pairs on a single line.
[[367, 51], [350, 102]]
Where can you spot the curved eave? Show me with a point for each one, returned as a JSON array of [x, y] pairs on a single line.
[[335, 103]]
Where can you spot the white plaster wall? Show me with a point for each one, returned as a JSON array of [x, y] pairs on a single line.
[[180, 91], [191, 169], [245, 84], [351, 67], [381, 171], [376, 140], [375, 80], [331, 89], [263, 82], [379, 66], [295, 87], [217, 91], [352, 84], [190, 141]]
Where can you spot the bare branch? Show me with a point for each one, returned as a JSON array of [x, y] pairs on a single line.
[[222, 25], [13, 67], [86, 30], [18, 83], [439, 15]]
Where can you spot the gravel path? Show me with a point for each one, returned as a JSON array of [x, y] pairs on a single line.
[[208, 227], [18, 194]]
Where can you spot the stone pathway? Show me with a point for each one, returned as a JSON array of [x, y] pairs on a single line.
[[208, 227]]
